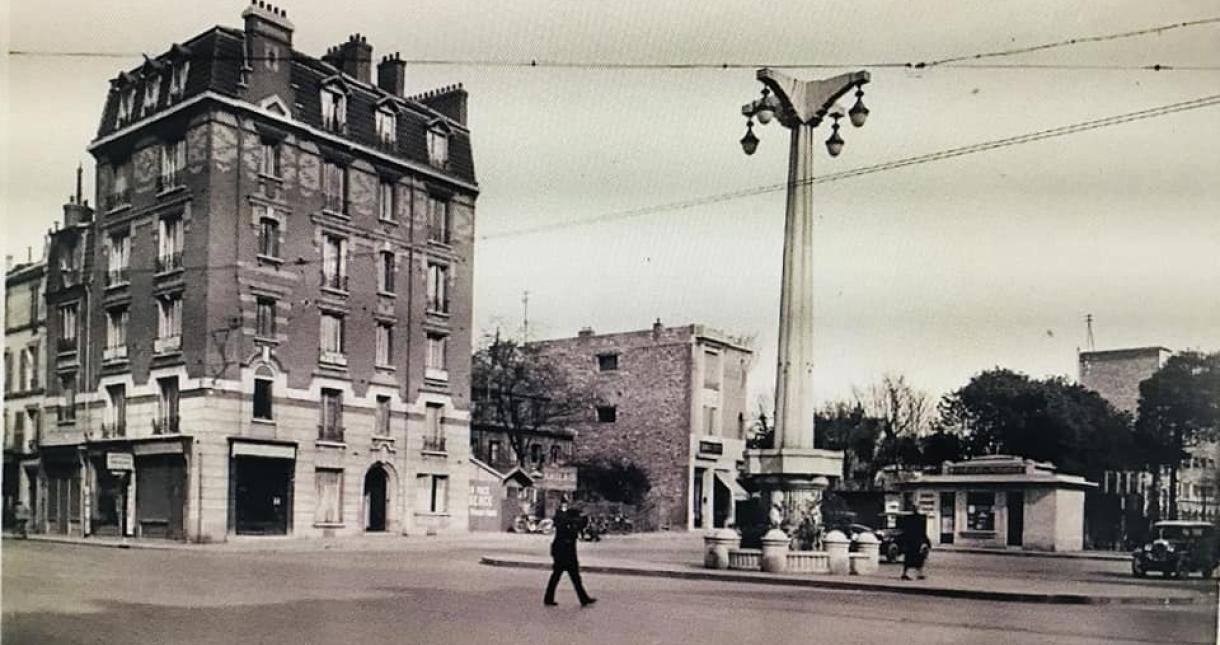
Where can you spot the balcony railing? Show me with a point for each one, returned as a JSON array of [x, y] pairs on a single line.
[[66, 345], [438, 305], [165, 425], [434, 444], [118, 199], [115, 353], [387, 143], [167, 344], [114, 430], [116, 277], [334, 203], [329, 432], [169, 262], [69, 276], [334, 281], [171, 179]]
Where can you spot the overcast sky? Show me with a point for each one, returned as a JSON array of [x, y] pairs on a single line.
[[936, 271]]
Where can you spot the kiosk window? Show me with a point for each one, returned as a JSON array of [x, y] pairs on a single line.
[[980, 511]]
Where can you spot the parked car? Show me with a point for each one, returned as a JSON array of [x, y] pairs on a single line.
[[891, 538], [1178, 548]]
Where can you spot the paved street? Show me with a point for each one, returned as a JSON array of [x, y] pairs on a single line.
[[435, 592]]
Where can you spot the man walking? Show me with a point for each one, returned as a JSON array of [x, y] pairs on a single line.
[[568, 525]]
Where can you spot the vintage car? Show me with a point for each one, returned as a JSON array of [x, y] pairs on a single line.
[[891, 537], [1178, 548]]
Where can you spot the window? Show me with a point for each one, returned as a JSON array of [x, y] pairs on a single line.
[[438, 288], [116, 334], [67, 389], [438, 220], [386, 125], [330, 496], [607, 414], [177, 81], [332, 338], [173, 162], [127, 105], [711, 370], [434, 433], [334, 262], [711, 421], [67, 327], [536, 453], [331, 426], [980, 511], [385, 344], [334, 110], [116, 422], [119, 193], [437, 356], [385, 200], [169, 323], [23, 382], [118, 258], [385, 277], [167, 406], [493, 452], [607, 362], [152, 91], [334, 187], [33, 353], [556, 453], [262, 399], [269, 237], [432, 493], [169, 243], [8, 371], [382, 422], [264, 317], [270, 163], [438, 147]]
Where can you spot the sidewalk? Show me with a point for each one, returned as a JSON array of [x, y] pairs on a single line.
[[1112, 556], [982, 587], [275, 543]]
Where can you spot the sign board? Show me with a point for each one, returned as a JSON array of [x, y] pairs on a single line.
[[927, 503], [120, 461], [987, 469], [272, 450], [482, 502], [711, 448]]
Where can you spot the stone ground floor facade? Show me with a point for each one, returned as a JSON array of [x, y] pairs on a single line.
[[380, 465]]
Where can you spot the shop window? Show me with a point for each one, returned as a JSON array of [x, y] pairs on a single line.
[[980, 511], [330, 496]]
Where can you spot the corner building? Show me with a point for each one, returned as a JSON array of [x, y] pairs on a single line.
[[270, 332]]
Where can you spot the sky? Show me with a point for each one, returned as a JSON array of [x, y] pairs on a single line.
[[936, 271]]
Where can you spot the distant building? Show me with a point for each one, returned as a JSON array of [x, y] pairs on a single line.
[[262, 328], [672, 400], [535, 483], [1116, 375], [24, 376]]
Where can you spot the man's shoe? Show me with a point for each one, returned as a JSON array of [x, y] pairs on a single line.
[[550, 603], [905, 577], [588, 602]]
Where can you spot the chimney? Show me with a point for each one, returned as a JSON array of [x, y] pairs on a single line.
[[657, 326], [585, 332], [267, 20], [392, 75], [354, 58]]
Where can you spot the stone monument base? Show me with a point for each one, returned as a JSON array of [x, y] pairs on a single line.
[[791, 480]]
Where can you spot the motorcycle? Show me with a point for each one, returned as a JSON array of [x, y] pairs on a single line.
[[531, 524], [593, 530]]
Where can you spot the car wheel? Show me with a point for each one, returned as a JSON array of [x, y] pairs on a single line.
[[1138, 569], [1210, 571], [891, 553]]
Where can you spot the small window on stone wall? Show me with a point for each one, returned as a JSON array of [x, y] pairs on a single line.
[[607, 414]]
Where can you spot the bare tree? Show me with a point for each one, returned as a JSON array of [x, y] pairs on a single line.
[[904, 411], [516, 390]]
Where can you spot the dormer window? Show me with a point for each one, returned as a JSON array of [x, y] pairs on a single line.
[[127, 104], [387, 127], [152, 91], [438, 145], [334, 108], [177, 81]]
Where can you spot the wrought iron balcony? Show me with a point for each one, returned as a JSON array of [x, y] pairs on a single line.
[[334, 281], [116, 277], [330, 432], [169, 262], [114, 430], [434, 444], [334, 203], [63, 344], [165, 425], [115, 353], [118, 199]]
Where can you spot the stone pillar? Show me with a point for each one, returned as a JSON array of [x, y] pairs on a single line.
[[870, 547], [775, 551], [837, 546], [716, 547]]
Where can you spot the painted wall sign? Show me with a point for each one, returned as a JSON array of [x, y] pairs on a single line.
[[120, 461]]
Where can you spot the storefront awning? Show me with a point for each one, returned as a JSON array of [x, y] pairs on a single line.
[[730, 482]]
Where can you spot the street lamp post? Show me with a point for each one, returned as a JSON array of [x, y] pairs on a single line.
[[791, 474]]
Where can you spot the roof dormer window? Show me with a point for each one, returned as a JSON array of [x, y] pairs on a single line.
[[177, 81], [438, 144], [334, 107], [127, 104], [152, 91], [387, 126]]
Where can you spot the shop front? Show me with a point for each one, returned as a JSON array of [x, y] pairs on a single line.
[[260, 487], [1001, 501], [60, 502]]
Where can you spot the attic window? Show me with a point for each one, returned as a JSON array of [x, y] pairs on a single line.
[[152, 91], [334, 109], [127, 105], [438, 145], [177, 81], [386, 127]]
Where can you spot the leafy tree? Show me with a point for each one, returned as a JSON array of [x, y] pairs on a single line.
[[762, 427], [518, 391], [1001, 411], [614, 480], [941, 446], [845, 426], [1179, 407]]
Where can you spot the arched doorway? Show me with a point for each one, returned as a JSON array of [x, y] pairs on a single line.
[[375, 499]]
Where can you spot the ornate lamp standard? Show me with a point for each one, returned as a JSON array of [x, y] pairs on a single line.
[[792, 474]]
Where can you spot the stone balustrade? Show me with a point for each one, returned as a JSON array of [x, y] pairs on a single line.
[[745, 559]]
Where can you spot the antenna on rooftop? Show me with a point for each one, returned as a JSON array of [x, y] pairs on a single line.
[[1088, 324], [525, 316]]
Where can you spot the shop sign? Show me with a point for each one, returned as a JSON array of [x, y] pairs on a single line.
[[120, 461], [993, 469], [927, 503], [711, 448]]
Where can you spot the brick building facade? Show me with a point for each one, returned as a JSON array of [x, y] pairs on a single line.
[[262, 329], [673, 400], [1116, 375]]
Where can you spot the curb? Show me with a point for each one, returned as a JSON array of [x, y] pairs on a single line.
[[1107, 556], [818, 583]]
